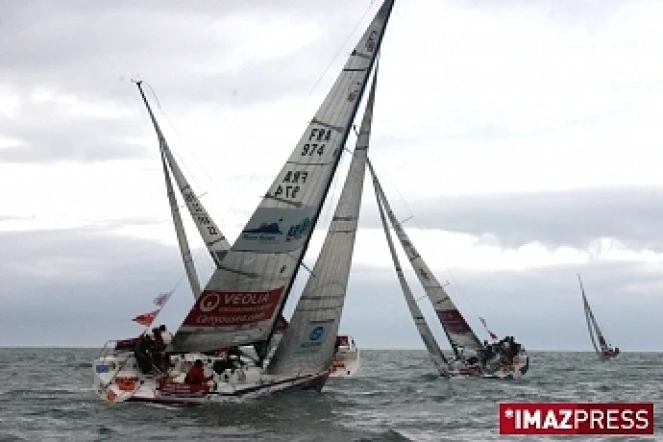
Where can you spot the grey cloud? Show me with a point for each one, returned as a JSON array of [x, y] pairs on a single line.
[[47, 137], [87, 48], [541, 307], [83, 286], [90, 50], [577, 218]]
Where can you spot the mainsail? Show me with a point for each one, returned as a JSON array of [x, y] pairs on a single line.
[[592, 324], [216, 243], [307, 345], [458, 331], [427, 336], [247, 292]]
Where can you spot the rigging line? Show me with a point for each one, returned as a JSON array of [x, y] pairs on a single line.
[[444, 267], [176, 132], [191, 174], [338, 52]]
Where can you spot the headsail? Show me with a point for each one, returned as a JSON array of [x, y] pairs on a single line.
[[592, 324], [427, 336], [189, 265], [215, 241], [247, 292], [307, 345], [458, 331]]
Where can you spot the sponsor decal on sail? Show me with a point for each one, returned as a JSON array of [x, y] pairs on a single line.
[[275, 230], [218, 309], [453, 321], [312, 338]]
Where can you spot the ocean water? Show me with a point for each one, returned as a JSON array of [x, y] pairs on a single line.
[[45, 395]]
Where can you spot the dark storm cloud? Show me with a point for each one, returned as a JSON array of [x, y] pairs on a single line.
[[575, 218]]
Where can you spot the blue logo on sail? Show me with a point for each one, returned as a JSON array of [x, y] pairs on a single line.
[[312, 341], [298, 230], [316, 333], [270, 229]]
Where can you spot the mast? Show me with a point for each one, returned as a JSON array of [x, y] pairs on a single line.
[[307, 344], [427, 336], [215, 241], [246, 293], [369, 50], [458, 331]]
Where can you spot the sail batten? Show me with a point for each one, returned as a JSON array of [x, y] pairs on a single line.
[[426, 334], [235, 309], [458, 331], [307, 345]]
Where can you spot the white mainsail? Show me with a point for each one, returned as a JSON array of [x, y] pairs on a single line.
[[307, 345], [427, 336], [458, 331], [215, 241], [592, 324], [247, 292]]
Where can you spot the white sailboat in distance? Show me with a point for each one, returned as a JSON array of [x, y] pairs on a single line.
[[603, 349]]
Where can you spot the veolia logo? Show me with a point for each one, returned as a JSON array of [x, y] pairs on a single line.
[[316, 333], [209, 302]]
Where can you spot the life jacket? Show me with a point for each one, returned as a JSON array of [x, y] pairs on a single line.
[[195, 375]]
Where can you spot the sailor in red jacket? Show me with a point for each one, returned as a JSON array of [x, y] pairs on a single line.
[[196, 374]]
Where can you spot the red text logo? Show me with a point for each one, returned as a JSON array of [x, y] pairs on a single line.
[[576, 418]]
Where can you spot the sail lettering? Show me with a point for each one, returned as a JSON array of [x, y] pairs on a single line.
[[320, 134], [295, 176], [310, 149], [287, 191], [246, 298]]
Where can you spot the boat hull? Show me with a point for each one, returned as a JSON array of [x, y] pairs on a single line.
[[117, 379], [514, 370], [346, 364]]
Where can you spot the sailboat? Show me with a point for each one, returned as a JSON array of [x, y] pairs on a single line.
[[506, 359], [603, 349], [346, 361], [246, 293]]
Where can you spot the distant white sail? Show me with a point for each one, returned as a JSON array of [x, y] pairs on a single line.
[[426, 334], [247, 292], [307, 345], [458, 331], [593, 325]]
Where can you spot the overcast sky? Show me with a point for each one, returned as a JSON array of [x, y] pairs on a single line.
[[523, 137]]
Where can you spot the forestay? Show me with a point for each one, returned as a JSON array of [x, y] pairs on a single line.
[[215, 241], [458, 331], [307, 345], [422, 326], [246, 293]]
